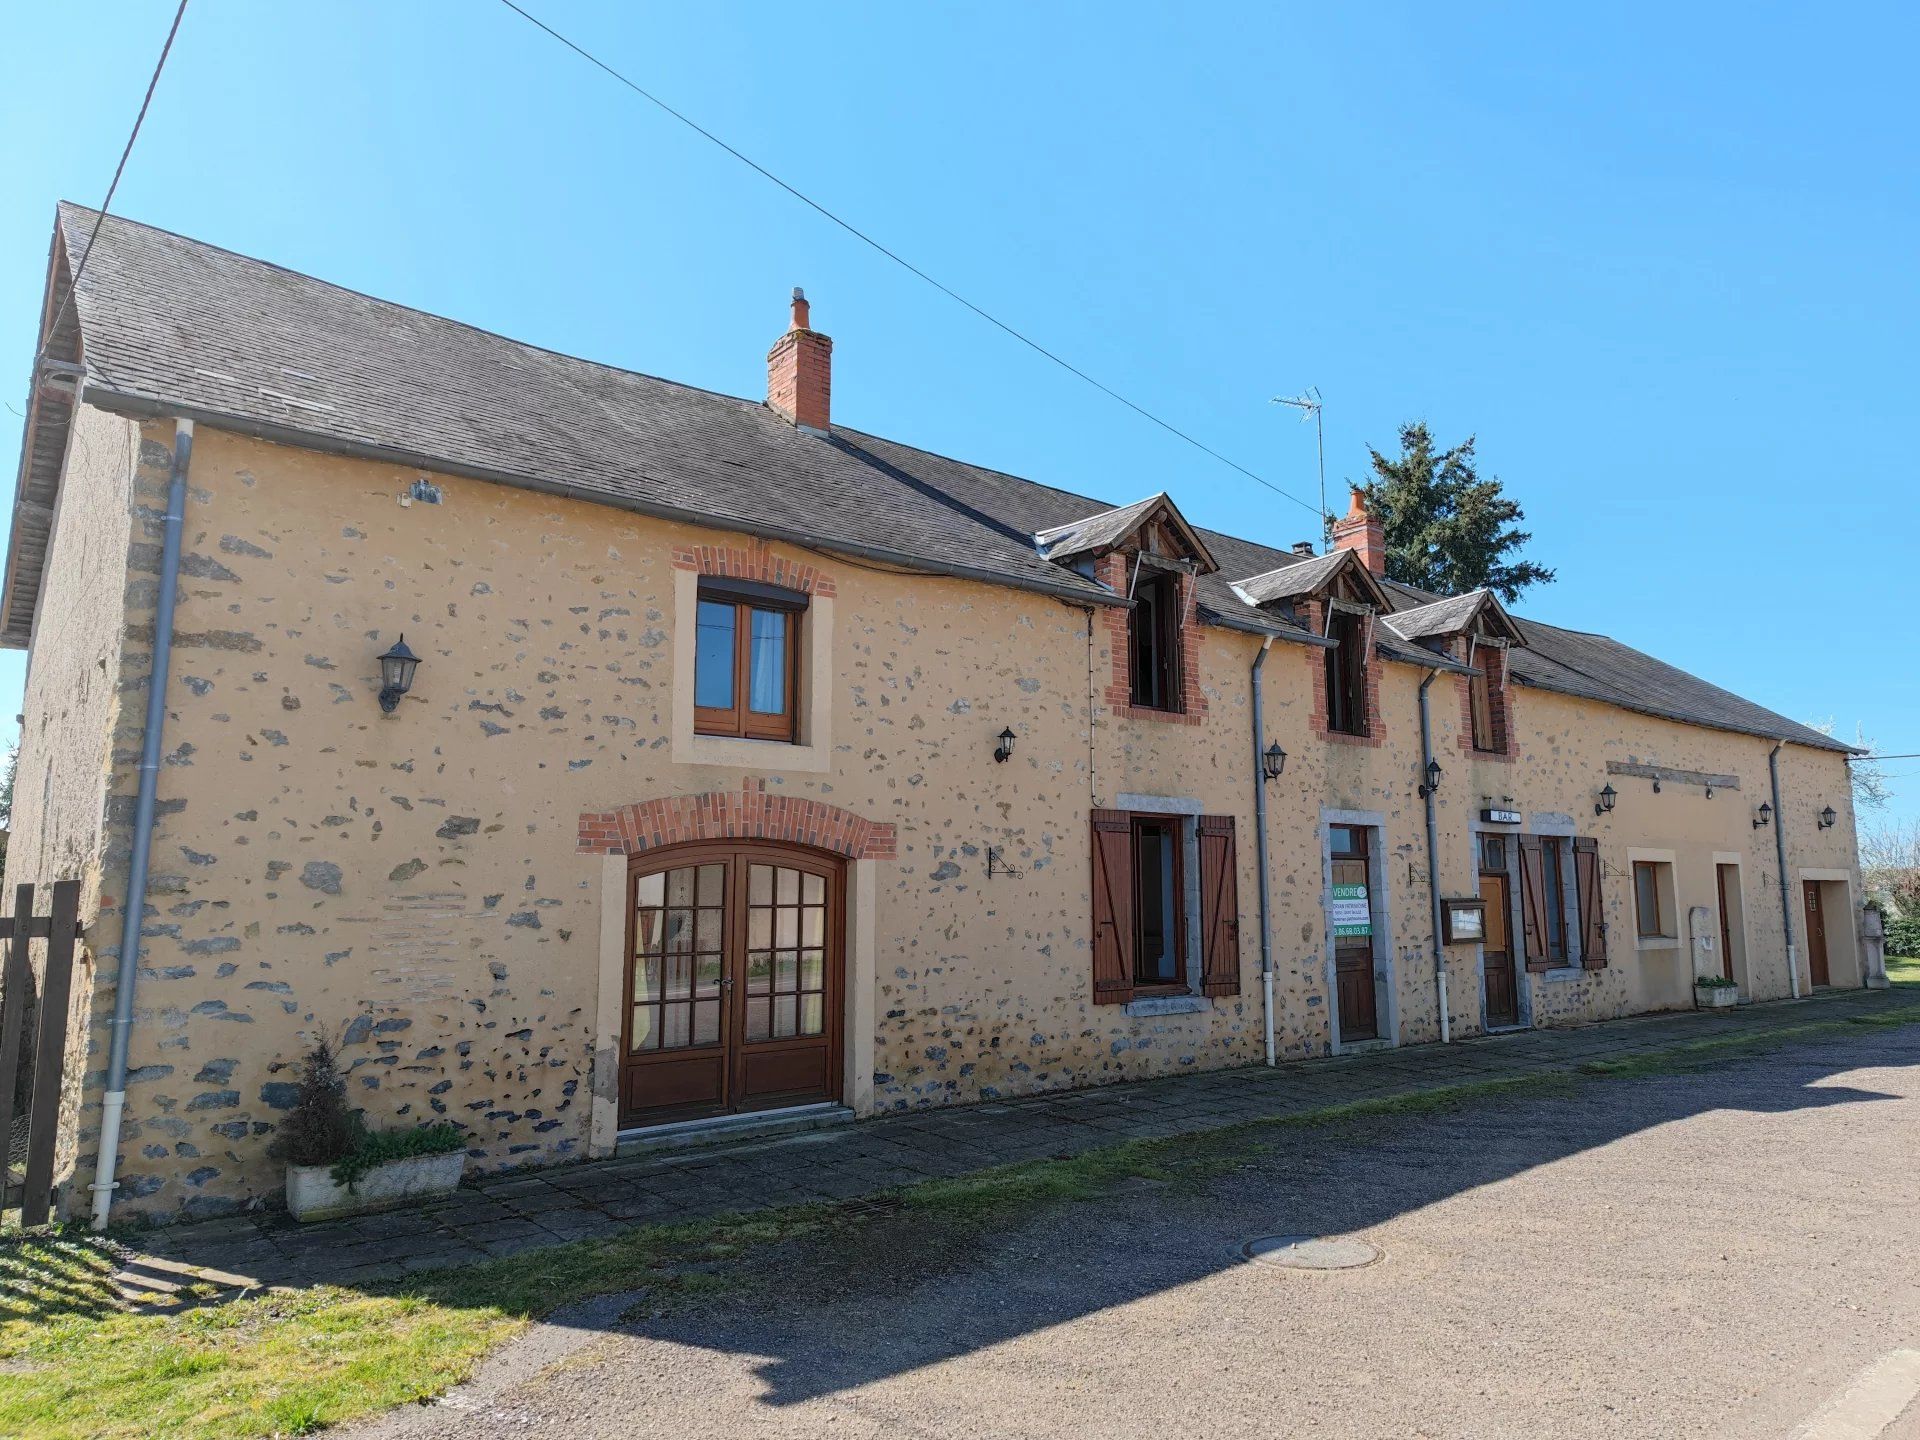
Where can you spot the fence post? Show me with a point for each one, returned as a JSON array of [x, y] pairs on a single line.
[[16, 989], [49, 1050]]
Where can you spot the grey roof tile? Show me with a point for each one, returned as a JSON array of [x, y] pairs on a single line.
[[174, 325]]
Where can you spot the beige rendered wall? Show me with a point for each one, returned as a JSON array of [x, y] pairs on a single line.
[[73, 702], [409, 885]]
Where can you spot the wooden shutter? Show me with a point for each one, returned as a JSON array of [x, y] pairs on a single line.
[[1533, 902], [1112, 907], [1219, 907], [1593, 912]]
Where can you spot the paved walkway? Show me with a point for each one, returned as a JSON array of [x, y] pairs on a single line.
[[504, 1215]]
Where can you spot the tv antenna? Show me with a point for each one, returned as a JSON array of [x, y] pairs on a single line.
[[1309, 404]]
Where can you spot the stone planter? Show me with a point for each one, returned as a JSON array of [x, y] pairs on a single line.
[[1716, 997], [313, 1195]]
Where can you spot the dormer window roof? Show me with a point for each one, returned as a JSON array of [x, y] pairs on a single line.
[[1336, 572], [1478, 613], [1153, 526]]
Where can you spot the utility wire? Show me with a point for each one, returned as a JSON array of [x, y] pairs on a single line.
[[100, 217], [906, 264]]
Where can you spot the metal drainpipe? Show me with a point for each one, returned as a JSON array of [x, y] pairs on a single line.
[[1433, 862], [1780, 849], [135, 906], [1260, 848]]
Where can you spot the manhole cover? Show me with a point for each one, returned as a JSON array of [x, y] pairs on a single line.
[[1311, 1252]]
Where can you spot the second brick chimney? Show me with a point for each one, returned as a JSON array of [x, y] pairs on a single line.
[[800, 372], [1360, 530]]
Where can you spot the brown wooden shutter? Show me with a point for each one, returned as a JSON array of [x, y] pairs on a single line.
[[1219, 907], [1533, 902], [1112, 907], [1593, 912]]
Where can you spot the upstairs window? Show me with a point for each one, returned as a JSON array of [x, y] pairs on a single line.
[[1485, 732], [746, 660], [1153, 643], [1347, 674]]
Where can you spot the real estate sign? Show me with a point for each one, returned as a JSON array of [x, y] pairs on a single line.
[[1352, 915]]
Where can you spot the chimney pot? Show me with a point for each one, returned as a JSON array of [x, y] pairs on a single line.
[[800, 372], [1303, 547]]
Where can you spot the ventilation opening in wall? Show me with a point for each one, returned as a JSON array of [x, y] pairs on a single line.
[[423, 490]]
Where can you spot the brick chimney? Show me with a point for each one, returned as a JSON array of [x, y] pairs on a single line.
[[1360, 531], [800, 372]]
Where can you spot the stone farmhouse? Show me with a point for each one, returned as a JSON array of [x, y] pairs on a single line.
[[754, 765]]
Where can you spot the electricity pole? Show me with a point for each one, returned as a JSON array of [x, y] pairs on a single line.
[[1309, 404]]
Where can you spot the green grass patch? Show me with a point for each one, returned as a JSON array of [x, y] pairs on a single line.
[[74, 1362], [1903, 969]]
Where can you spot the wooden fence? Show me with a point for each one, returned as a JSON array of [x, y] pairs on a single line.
[[33, 1042]]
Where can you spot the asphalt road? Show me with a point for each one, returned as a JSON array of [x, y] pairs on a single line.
[[1727, 1254]]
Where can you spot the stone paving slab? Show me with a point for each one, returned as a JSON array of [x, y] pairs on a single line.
[[511, 1214]]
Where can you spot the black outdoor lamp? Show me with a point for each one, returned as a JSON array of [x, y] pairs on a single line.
[[1004, 750], [1764, 817], [1433, 779], [396, 674], [1828, 818], [1604, 805], [1273, 761]]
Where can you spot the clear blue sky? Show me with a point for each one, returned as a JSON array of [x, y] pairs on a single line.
[[1659, 258]]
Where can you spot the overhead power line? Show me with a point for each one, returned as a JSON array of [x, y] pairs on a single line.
[[904, 263], [118, 171]]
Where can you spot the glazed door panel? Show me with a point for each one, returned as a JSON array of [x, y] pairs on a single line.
[[734, 982], [1353, 954]]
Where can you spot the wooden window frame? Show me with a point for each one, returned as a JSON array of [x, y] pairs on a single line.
[[1174, 835], [740, 720], [1346, 675], [1167, 669], [1487, 739], [1652, 869], [1554, 850]]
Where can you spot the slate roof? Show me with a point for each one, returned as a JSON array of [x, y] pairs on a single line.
[[1109, 527], [1440, 617], [174, 326]]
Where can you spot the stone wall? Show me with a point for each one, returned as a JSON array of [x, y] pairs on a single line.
[[426, 888]]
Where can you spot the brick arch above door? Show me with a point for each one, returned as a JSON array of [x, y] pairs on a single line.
[[748, 813]]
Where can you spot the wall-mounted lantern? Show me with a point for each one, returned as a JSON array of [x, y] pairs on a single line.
[[1709, 792], [1003, 752], [1273, 761], [1604, 805], [1828, 819], [1656, 784], [1434, 773], [1764, 817], [396, 674]]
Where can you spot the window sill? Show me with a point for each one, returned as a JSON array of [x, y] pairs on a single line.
[[1149, 1005], [1656, 942], [740, 753], [1565, 970]]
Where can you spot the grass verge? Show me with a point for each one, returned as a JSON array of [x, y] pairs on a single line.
[[74, 1362]]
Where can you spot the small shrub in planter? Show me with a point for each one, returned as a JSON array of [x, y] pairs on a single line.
[[337, 1166], [1716, 990]]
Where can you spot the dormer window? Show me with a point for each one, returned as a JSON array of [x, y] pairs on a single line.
[[1153, 643], [1486, 730], [1346, 666]]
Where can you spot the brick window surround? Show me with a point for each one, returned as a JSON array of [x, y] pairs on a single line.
[[756, 562], [1314, 614], [1112, 570], [748, 813], [1493, 660]]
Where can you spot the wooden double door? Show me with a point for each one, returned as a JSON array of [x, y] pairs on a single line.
[[735, 981]]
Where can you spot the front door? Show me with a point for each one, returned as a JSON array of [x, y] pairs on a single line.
[[1729, 875], [1503, 993], [1816, 935], [734, 981], [1353, 934]]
